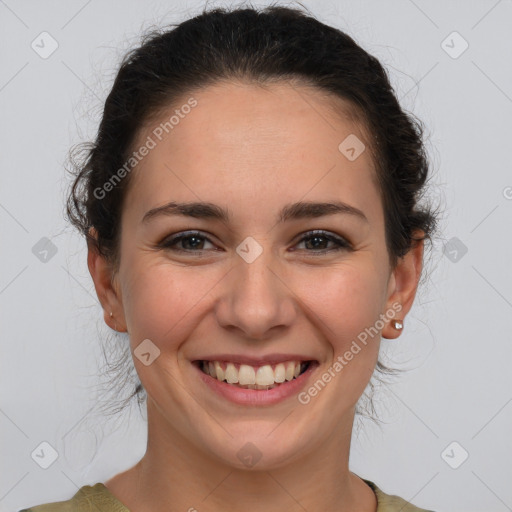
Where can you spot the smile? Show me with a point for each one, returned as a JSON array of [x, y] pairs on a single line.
[[257, 385], [251, 377]]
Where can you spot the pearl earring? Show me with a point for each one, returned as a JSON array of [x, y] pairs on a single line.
[[397, 324]]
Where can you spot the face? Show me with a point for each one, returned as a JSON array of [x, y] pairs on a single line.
[[267, 282]]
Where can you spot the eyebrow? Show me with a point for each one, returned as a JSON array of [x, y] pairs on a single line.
[[300, 210]]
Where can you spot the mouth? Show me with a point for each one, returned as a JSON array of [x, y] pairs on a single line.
[[260, 378]]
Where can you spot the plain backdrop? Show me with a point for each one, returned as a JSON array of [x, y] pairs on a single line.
[[446, 441]]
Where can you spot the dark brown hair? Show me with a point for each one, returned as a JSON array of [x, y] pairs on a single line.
[[261, 46]]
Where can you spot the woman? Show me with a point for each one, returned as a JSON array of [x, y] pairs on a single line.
[[251, 211]]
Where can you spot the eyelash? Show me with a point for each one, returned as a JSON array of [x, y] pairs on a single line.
[[170, 242]]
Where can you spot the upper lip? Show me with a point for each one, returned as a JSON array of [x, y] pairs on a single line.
[[256, 361]]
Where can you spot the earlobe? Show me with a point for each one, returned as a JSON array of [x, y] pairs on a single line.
[[102, 276]]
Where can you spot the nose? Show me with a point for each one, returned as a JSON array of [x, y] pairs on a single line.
[[256, 300]]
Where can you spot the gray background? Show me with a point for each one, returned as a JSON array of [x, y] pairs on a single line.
[[457, 341]]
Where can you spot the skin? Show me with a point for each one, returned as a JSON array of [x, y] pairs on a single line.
[[252, 150]]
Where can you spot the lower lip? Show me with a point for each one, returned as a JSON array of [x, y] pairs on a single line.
[[257, 396]]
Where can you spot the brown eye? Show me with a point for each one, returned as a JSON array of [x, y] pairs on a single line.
[[316, 242], [190, 242]]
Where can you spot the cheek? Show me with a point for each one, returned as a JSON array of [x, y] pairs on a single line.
[[162, 304], [344, 303], [345, 299], [163, 301]]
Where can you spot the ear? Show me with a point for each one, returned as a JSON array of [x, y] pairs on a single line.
[[403, 284], [106, 286]]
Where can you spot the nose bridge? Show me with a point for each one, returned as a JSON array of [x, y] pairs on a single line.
[[255, 300]]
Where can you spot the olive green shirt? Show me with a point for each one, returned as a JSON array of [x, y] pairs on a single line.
[[98, 498]]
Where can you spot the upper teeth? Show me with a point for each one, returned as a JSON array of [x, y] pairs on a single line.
[[263, 375]]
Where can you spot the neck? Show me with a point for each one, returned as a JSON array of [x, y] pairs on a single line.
[[175, 474]]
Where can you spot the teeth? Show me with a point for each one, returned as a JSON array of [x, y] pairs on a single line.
[[247, 375], [218, 372], [290, 370], [280, 373], [263, 377], [231, 374]]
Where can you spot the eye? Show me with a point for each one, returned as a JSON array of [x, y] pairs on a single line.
[[317, 240], [193, 238]]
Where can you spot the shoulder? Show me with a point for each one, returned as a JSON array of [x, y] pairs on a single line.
[[391, 502], [89, 498]]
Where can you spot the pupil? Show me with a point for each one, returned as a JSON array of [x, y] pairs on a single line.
[[316, 239], [197, 240]]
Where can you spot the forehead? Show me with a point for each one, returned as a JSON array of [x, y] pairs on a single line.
[[280, 142]]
